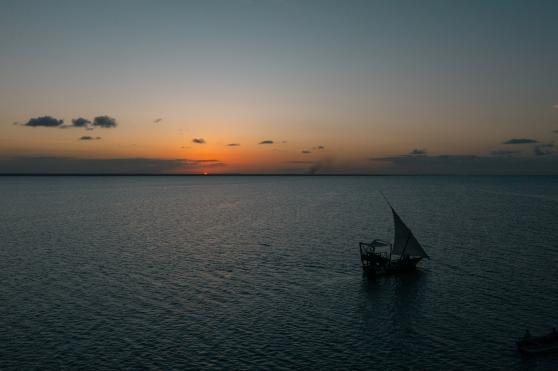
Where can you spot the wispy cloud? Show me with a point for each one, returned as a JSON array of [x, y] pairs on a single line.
[[417, 152], [320, 165], [233, 145], [87, 137], [543, 149], [305, 151], [266, 142], [157, 120], [198, 140], [44, 121], [520, 141], [325, 166], [318, 148]]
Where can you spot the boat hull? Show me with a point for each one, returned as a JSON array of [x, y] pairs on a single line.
[[378, 267], [539, 344], [538, 350]]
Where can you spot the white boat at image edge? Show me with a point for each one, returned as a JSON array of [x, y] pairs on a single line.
[[380, 257]]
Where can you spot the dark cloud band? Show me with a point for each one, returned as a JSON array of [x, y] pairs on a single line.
[[69, 165], [467, 165], [520, 141]]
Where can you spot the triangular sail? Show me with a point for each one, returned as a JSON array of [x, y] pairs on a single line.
[[404, 243]]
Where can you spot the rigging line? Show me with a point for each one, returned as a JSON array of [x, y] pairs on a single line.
[[385, 198]]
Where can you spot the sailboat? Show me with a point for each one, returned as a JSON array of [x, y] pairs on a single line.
[[380, 257]]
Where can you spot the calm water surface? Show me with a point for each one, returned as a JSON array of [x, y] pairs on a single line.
[[264, 272]]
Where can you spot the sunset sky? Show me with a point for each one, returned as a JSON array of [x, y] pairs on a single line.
[[279, 86]]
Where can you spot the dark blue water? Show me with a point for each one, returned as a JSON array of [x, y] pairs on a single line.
[[264, 272]]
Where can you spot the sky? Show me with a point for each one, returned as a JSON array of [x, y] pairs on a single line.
[[279, 86]]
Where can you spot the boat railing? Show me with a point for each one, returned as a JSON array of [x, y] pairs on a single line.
[[369, 255]]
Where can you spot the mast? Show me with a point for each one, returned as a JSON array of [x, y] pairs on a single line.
[[391, 245]]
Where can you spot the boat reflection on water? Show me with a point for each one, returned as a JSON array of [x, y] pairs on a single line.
[[395, 297], [394, 319]]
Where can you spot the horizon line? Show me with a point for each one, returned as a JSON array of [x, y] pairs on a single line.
[[257, 174]]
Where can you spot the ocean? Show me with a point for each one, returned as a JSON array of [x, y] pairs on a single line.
[[263, 272]]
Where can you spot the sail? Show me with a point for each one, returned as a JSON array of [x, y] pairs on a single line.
[[404, 243]]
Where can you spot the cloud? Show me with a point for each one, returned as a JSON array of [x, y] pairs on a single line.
[[503, 152], [329, 165], [45, 121], [300, 162], [520, 141], [305, 151], [80, 122], [318, 148], [233, 145], [198, 140], [104, 122], [467, 165], [555, 131], [266, 142], [87, 137], [69, 165], [320, 166], [204, 163], [157, 120], [417, 152], [543, 149]]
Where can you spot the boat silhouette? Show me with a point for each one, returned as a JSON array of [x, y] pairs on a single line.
[[381, 257], [538, 344]]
